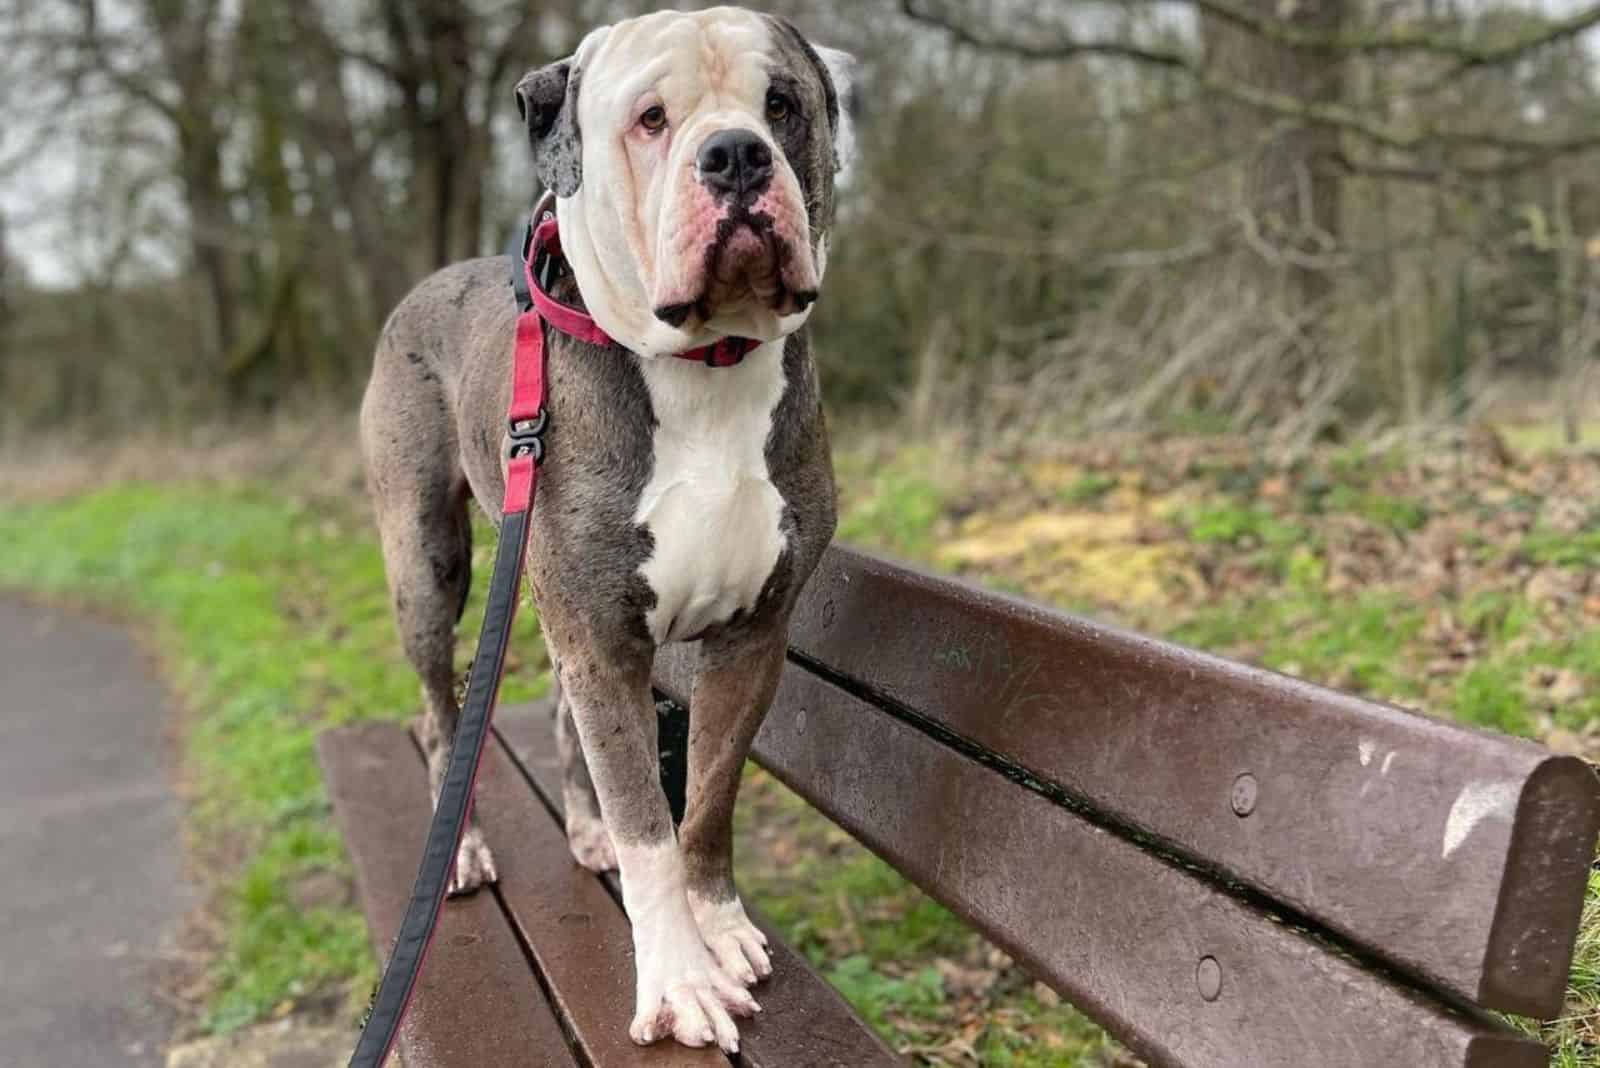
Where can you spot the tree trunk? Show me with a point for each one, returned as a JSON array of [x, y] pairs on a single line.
[[384, 274], [1290, 185], [209, 224], [183, 32]]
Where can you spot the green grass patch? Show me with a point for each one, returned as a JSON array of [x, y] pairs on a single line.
[[1496, 616], [1358, 466], [1496, 691], [1579, 550], [1357, 640], [1488, 696], [1088, 488], [1398, 513], [1269, 540], [1058, 1036], [874, 993], [892, 505], [272, 616]]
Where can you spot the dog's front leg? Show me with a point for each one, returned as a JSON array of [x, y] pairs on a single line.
[[733, 688], [681, 990]]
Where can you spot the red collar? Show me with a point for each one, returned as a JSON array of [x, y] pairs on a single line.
[[540, 257]]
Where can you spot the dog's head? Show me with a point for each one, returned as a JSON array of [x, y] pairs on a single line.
[[694, 156]]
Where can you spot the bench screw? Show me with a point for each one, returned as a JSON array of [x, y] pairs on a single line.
[[1208, 977], [1244, 795]]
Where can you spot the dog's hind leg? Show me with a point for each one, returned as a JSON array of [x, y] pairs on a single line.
[[587, 836], [421, 499]]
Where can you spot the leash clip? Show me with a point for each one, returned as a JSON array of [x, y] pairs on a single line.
[[527, 436]]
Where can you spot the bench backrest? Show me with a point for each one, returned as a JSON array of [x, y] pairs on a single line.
[[1224, 866]]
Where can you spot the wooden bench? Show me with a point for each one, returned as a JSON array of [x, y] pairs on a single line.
[[1223, 866]]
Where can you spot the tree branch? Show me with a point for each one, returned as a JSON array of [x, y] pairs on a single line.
[[1419, 38], [1415, 38], [90, 42], [1281, 105], [1051, 51]]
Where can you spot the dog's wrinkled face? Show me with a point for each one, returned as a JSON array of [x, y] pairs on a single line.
[[694, 155]]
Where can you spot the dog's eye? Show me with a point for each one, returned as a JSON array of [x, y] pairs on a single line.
[[654, 120], [778, 106]]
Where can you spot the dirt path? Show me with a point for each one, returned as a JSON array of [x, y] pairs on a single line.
[[90, 873]]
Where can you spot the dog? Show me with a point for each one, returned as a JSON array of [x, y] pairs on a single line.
[[694, 159]]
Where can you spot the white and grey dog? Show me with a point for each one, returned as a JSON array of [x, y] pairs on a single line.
[[694, 158]]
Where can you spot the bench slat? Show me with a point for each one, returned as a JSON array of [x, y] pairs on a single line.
[[569, 923], [1122, 933], [804, 1022], [475, 969], [1390, 828]]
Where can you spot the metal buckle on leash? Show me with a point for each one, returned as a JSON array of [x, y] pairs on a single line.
[[527, 436]]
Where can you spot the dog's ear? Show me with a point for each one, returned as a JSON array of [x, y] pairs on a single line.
[[837, 72], [840, 69], [547, 100]]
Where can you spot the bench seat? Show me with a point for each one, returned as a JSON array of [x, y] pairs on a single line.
[[539, 970]]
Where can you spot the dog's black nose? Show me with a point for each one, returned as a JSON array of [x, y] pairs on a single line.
[[735, 161]]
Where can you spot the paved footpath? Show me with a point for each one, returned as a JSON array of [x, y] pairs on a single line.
[[91, 883]]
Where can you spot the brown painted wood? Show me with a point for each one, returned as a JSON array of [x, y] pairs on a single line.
[[477, 1002], [575, 931], [1128, 937], [804, 1022], [1457, 855]]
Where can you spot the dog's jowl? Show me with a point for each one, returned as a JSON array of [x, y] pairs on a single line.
[[693, 157]]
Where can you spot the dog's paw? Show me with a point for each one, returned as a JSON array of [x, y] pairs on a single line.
[[692, 1001], [590, 843], [474, 864], [739, 945]]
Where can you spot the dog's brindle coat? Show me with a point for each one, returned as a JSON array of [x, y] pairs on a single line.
[[433, 433]]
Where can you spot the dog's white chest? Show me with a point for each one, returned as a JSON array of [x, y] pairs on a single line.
[[710, 505]]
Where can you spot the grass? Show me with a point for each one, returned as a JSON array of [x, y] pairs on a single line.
[[1087, 488], [1356, 640], [893, 504], [1228, 522], [1581, 549]]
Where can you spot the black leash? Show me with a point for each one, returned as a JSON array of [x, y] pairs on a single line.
[[526, 421], [455, 802]]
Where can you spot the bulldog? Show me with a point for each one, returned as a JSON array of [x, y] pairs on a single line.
[[693, 157]]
